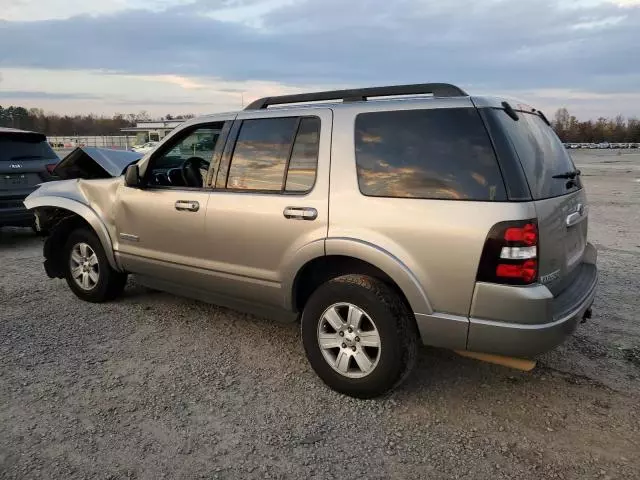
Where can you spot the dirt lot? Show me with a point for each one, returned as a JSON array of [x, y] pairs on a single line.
[[154, 386]]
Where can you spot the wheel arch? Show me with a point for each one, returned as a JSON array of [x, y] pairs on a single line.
[[345, 256], [78, 212]]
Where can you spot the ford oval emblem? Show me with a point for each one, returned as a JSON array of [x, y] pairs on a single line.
[[15, 165]]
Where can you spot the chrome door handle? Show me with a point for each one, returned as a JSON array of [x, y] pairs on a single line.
[[300, 213], [187, 205]]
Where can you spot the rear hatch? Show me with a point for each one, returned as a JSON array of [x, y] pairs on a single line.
[[556, 188], [24, 157]]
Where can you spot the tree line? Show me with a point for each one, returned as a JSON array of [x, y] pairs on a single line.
[[52, 124], [612, 130], [567, 126]]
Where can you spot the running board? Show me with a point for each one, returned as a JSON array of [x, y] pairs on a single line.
[[511, 362]]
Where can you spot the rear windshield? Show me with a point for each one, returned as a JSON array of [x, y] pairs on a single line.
[[24, 147], [541, 154], [442, 154]]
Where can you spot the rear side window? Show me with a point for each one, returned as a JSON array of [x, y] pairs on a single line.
[[25, 147], [437, 154], [275, 155], [304, 157], [541, 153]]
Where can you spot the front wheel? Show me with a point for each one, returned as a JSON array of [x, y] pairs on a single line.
[[87, 269], [359, 336]]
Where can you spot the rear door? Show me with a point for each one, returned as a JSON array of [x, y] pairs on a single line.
[[270, 202], [560, 200], [24, 157]]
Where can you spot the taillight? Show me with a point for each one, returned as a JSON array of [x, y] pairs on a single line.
[[51, 167], [510, 254]]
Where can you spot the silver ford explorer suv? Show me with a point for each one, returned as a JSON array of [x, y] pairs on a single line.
[[379, 218]]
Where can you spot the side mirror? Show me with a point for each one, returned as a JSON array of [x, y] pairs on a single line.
[[132, 177]]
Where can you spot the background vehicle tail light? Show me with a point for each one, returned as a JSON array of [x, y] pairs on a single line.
[[51, 167], [510, 254]]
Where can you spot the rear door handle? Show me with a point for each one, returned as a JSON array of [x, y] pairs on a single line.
[[300, 213], [187, 205]]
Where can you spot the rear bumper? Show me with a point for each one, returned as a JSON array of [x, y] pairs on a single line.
[[542, 321]]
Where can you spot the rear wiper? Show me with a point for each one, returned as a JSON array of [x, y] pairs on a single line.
[[544, 117], [568, 175]]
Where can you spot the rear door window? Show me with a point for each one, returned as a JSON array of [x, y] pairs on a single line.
[[434, 154], [541, 153], [301, 174], [25, 147], [275, 155]]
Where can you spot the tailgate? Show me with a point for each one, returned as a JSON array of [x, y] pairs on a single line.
[[21, 177], [24, 157], [562, 225], [556, 189]]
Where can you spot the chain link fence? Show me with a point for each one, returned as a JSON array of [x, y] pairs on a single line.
[[117, 142]]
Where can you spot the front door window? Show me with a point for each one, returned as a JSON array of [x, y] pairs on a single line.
[[185, 163]]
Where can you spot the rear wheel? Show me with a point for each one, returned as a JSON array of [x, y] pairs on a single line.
[[87, 269], [358, 336]]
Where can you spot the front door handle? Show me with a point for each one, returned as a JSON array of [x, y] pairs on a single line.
[[187, 205], [300, 213]]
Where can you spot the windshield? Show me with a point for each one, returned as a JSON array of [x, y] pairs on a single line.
[[541, 154], [15, 148]]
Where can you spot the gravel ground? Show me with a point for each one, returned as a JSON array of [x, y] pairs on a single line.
[[154, 386]]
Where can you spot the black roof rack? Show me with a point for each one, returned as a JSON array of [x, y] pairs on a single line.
[[361, 94]]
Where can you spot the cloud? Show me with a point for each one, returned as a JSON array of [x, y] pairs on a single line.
[[183, 82], [495, 43], [204, 46], [29, 95], [36, 10]]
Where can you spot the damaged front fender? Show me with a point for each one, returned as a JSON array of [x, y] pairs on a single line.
[[52, 211], [86, 195]]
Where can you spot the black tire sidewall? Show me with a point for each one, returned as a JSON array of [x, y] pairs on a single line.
[[390, 365], [101, 291]]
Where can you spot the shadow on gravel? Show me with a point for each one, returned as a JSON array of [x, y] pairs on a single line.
[[10, 237], [137, 291], [443, 370]]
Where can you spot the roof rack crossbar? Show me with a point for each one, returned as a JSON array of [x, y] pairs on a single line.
[[360, 94]]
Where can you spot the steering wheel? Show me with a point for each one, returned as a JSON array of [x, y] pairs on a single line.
[[190, 171]]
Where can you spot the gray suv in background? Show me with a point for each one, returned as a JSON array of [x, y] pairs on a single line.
[[26, 159], [380, 218]]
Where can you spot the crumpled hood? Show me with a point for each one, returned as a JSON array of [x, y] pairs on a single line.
[[90, 162]]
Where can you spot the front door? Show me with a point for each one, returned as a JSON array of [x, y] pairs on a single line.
[[160, 226]]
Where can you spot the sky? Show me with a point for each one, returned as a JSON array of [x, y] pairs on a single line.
[[206, 56]]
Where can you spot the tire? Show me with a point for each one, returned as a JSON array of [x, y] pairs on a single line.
[[103, 282], [383, 310]]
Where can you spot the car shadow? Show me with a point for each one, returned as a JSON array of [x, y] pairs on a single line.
[[16, 236], [444, 370], [436, 369]]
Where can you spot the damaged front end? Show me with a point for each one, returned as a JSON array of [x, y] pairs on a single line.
[[83, 197], [89, 162]]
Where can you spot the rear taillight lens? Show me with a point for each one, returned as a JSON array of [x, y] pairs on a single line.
[[510, 254], [528, 235], [51, 167]]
